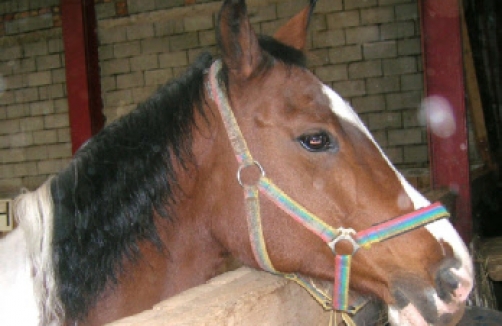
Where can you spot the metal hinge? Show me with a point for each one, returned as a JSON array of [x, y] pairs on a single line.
[[6, 218]]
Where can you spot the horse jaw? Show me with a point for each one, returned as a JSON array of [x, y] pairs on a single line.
[[441, 230]]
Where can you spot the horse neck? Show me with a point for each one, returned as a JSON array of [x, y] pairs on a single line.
[[192, 254], [190, 259]]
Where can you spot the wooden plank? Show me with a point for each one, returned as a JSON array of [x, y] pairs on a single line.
[[474, 97], [418, 178], [247, 297]]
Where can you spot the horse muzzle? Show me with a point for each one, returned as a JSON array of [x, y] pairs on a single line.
[[443, 304]]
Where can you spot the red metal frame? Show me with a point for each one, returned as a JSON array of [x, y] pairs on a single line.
[[82, 70], [444, 76]]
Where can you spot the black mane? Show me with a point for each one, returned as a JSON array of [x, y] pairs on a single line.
[[104, 201]]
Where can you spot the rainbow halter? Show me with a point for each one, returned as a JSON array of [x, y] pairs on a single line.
[[331, 236]]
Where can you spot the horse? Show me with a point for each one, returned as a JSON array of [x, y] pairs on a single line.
[[153, 204]]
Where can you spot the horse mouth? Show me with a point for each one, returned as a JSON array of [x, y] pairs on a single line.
[[362, 308], [412, 316], [417, 305]]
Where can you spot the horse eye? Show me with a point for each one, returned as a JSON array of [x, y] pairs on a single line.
[[318, 142]]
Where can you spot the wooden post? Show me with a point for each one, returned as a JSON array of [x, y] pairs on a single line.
[[444, 77], [474, 99], [82, 70]]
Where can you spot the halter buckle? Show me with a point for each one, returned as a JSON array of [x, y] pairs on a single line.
[[344, 234]]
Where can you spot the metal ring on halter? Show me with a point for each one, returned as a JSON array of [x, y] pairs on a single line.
[[242, 167], [344, 234]]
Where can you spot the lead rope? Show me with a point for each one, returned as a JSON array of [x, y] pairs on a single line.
[[330, 236]]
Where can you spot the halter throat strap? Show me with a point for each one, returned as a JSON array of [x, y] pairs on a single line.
[[331, 236]]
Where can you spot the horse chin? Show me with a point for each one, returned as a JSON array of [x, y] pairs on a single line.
[[407, 316], [448, 315]]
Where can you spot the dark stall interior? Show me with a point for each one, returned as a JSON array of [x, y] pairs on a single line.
[[484, 21]]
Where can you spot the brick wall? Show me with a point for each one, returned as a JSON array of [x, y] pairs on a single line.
[[367, 50], [372, 57], [34, 133], [143, 44]]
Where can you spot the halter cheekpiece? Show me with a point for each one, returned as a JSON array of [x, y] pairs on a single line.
[[331, 236]]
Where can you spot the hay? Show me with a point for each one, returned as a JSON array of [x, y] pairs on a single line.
[[482, 294]]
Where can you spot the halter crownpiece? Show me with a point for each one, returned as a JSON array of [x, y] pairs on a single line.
[[331, 236]]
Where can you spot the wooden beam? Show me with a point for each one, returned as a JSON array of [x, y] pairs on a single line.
[[474, 98], [82, 70], [444, 77]]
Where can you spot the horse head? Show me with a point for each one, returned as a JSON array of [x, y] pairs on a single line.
[[156, 201], [314, 147]]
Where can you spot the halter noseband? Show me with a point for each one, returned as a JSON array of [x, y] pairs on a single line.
[[329, 235]]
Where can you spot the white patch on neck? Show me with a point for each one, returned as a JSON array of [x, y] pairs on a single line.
[[34, 212], [17, 301]]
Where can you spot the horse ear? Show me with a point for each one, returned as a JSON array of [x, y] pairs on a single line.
[[238, 42], [294, 32]]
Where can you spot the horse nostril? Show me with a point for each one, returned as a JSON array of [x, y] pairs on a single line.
[[449, 278], [401, 299], [446, 283]]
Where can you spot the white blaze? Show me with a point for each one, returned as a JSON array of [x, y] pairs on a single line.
[[441, 230]]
